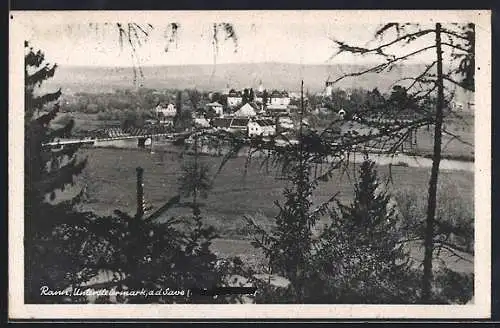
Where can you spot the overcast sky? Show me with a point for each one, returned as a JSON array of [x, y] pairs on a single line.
[[291, 37]]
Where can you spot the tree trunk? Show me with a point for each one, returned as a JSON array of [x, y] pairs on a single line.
[[431, 202], [197, 176], [140, 193]]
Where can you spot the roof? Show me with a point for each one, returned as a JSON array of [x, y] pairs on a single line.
[[265, 122], [240, 122], [222, 122], [165, 105], [215, 104], [234, 93], [279, 94], [230, 122], [247, 109], [277, 108]]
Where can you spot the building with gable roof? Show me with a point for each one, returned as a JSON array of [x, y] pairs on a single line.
[[234, 98], [247, 110], [167, 110], [261, 127], [279, 99]]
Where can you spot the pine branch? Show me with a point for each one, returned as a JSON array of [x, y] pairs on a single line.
[[63, 132], [46, 118], [38, 102], [41, 75], [58, 179]]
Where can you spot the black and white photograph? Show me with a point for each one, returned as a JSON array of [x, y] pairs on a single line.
[[249, 164]]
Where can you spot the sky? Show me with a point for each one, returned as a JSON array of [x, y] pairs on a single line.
[[289, 37]]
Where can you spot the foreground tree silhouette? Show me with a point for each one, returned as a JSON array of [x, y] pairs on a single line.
[[67, 249], [49, 255], [457, 41]]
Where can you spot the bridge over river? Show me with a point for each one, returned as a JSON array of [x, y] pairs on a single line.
[[114, 134]]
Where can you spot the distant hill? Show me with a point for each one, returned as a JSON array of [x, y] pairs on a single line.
[[216, 78]]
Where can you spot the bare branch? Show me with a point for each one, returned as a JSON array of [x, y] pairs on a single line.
[[379, 50], [455, 47], [379, 68], [419, 78], [451, 248], [456, 137], [454, 34], [447, 78]]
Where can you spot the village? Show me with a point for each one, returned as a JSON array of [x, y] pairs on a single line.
[[255, 114]]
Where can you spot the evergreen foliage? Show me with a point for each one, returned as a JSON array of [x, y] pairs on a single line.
[[49, 252], [360, 258]]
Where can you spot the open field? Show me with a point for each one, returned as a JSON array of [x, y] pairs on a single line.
[[111, 183], [110, 178]]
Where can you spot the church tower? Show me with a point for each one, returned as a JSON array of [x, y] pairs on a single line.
[[261, 87]]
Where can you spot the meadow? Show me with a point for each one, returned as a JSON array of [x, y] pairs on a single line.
[[248, 189]]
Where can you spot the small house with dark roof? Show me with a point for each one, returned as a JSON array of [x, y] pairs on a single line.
[[234, 98], [278, 102], [261, 127], [230, 124], [279, 98]]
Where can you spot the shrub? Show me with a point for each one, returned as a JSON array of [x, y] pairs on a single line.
[[454, 215], [453, 287], [150, 256]]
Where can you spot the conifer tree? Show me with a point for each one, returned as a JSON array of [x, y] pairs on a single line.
[[46, 171], [360, 258]]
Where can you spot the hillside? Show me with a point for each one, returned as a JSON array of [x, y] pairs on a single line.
[[216, 78]]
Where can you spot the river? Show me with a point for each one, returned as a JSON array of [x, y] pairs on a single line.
[[381, 159]]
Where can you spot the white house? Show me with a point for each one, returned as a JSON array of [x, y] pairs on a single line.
[[234, 98], [279, 99], [230, 124], [247, 110], [259, 97], [218, 108], [295, 95], [166, 110], [261, 127], [285, 122], [201, 122]]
